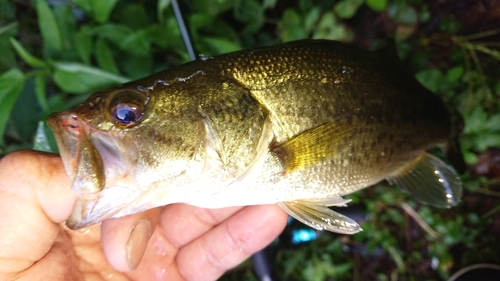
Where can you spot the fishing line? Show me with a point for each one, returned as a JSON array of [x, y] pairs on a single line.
[[184, 31]]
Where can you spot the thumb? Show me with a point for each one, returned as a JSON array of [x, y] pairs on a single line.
[[34, 197]]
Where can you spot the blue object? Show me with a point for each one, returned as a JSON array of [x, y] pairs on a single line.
[[303, 235]]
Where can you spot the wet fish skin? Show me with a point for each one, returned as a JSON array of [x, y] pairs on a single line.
[[300, 124]]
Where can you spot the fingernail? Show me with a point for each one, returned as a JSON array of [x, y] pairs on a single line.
[[137, 242]]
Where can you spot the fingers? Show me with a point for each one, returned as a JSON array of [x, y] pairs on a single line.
[[34, 197], [182, 223], [231, 242], [40, 177], [124, 240], [210, 241], [179, 224]]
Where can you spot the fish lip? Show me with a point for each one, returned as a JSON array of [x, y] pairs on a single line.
[[64, 127], [74, 136], [81, 159], [94, 160]]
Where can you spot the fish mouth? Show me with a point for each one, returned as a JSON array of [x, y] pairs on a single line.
[[81, 160], [94, 160]]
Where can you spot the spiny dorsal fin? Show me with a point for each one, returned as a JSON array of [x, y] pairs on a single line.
[[312, 146], [430, 181], [320, 217]]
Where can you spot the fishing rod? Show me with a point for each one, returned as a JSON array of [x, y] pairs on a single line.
[[183, 29]]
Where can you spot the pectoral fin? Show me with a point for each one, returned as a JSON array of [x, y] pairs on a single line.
[[312, 146], [234, 123], [430, 181], [320, 217]]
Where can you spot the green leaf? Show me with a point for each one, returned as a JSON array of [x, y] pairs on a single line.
[[48, 26], [99, 9], [137, 43], [133, 15], [455, 74], [402, 13], [174, 37], [9, 29], [430, 78], [84, 4], [83, 44], [493, 123], [161, 7], [311, 18], [66, 21], [137, 67], [377, 5], [8, 58], [452, 81], [25, 55], [102, 9], [328, 28], [25, 114], [450, 25], [290, 26], [212, 7], [11, 85], [40, 88], [221, 45], [346, 9], [41, 142], [115, 33], [251, 13], [156, 35], [474, 121], [199, 20], [58, 102], [487, 140], [269, 4], [77, 78], [470, 158], [104, 56], [7, 11]]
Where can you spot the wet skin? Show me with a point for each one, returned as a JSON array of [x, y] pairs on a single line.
[[186, 242]]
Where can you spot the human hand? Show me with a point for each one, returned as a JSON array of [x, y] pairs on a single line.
[[176, 242]]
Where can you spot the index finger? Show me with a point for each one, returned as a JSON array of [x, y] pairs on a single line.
[[34, 198]]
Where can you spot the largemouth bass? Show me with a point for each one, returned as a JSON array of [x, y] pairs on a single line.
[[301, 125]]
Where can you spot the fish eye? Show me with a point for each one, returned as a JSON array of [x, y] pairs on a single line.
[[126, 113], [126, 108]]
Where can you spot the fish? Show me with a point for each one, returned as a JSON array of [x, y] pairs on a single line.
[[301, 125]]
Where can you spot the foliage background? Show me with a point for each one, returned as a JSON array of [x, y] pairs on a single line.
[[55, 53]]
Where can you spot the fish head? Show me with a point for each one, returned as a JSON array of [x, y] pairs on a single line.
[[92, 138], [114, 148]]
